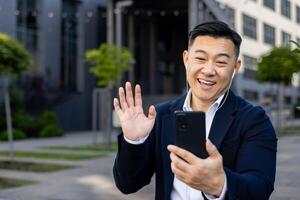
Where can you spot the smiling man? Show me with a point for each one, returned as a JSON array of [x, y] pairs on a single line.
[[241, 141]]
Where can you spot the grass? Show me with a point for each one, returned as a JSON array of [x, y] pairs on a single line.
[[10, 182], [100, 147], [56, 156], [32, 167]]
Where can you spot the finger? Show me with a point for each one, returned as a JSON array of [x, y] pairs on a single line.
[[152, 112], [138, 95], [211, 149], [129, 96], [184, 154], [178, 173], [117, 106], [122, 98], [179, 163]]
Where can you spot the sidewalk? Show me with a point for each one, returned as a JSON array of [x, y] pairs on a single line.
[[92, 179]]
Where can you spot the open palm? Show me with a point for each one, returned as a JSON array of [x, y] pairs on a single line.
[[135, 125]]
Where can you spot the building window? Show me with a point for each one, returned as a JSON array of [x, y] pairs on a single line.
[[27, 25], [271, 95], [250, 95], [269, 35], [286, 8], [298, 40], [285, 39], [270, 4], [230, 13], [298, 14], [287, 100], [249, 26], [69, 46], [250, 67]]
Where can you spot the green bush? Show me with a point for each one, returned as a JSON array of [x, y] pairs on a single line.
[[17, 135], [27, 123], [48, 117], [51, 130], [297, 110], [16, 99]]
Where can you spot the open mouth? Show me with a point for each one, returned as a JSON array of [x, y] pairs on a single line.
[[205, 82]]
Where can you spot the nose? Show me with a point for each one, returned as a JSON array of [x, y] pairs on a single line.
[[209, 69]]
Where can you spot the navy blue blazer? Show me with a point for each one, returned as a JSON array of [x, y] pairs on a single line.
[[242, 133]]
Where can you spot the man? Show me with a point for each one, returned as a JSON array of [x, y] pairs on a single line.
[[241, 141]]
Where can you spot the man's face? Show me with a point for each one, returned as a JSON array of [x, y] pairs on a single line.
[[210, 63]]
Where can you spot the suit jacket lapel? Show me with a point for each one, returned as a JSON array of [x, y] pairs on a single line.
[[222, 120]]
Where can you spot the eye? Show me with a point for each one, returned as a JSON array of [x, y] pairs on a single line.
[[200, 58], [221, 62]]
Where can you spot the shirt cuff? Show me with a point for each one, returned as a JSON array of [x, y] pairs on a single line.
[[222, 196], [140, 141]]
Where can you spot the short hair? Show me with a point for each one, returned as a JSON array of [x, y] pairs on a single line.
[[216, 29]]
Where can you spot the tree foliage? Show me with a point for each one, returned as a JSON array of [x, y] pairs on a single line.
[[278, 66], [108, 63], [14, 58], [297, 49]]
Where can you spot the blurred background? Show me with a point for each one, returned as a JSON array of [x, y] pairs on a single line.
[[59, 88]]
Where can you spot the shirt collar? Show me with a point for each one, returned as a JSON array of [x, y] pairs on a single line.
[[187, 102]]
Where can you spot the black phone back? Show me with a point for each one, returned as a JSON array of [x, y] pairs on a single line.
[[190, 132]]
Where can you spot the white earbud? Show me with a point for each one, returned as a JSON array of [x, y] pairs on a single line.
[[233, 74]]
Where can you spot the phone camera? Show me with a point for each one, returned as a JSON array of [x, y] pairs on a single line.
[[183, 126]]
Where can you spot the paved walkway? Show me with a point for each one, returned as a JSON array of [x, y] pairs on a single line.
[[92, 179]]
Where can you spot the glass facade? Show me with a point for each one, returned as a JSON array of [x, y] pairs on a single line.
[[270, 4], [249, 26], [27, 25], [250, 68], [269, 35], [298, 14], [286, 8], [285, 39], [250, 95], [69, 46]]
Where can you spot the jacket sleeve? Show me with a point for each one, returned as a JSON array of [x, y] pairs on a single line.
[[254, 173], [134, 164]]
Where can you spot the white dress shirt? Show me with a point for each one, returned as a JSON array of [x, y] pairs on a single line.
[[182, 191]]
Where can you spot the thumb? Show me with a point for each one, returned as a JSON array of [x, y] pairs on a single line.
[[152, 112], [211, 149]]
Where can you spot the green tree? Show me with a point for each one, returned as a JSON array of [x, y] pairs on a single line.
[[108, 63], [278, 66], [297, 49], [297, 105], [14, 59]]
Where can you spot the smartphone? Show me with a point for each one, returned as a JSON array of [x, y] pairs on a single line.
[[190, 132]]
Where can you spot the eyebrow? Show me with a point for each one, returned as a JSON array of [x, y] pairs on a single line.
[[220, 54]]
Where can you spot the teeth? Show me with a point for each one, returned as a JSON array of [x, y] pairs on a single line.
[[206, 82]]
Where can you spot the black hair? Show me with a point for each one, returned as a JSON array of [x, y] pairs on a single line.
[[216, 29]]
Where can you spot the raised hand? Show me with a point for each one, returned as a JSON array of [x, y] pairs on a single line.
[[135, 125]]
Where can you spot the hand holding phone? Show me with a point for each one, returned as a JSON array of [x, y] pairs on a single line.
[[191, 132]]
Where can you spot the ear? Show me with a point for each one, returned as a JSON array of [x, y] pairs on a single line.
[[185, 58], [237, 66]]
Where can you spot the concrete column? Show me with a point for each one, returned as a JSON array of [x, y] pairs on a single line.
[[131, 45], [192, 13], [110, 22], [152, 56]]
